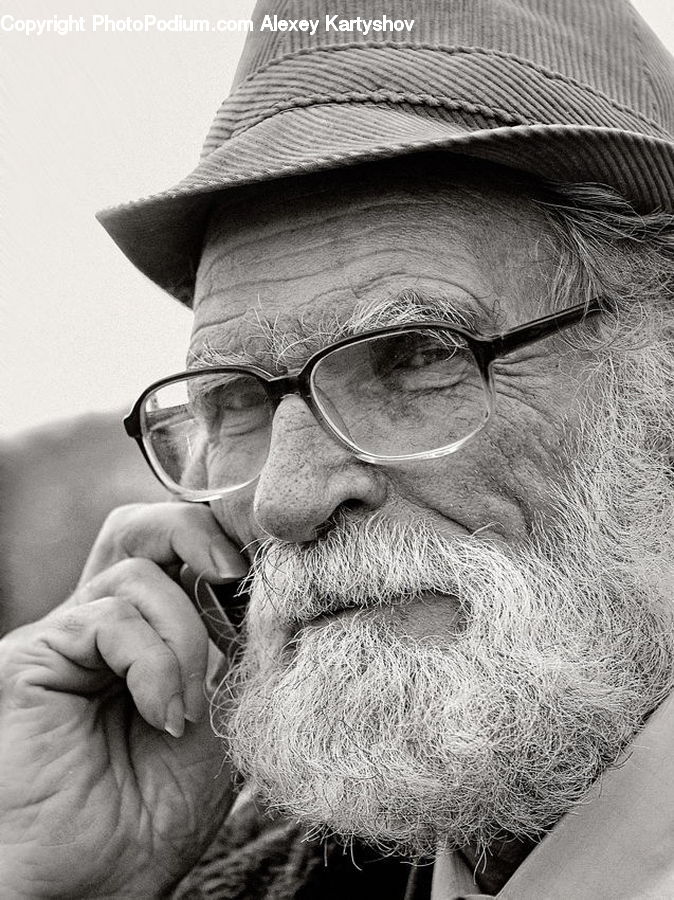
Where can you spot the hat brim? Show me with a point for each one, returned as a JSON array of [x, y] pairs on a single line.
[[163, 234]]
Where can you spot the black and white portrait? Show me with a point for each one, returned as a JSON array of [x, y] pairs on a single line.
[[337, 451]]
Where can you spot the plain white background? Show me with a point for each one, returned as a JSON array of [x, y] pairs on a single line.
[[90, 120]]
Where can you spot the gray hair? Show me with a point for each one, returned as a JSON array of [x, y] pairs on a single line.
[[607, 249]]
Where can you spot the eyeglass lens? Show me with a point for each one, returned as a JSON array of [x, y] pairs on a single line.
[[391, 395]]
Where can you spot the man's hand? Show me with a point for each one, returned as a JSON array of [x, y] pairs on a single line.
[[111, 781]]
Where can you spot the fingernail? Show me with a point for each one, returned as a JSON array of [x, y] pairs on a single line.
[[194, 698], [175, 717], [228, 563]]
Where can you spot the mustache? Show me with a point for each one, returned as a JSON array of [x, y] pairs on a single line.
[[365, 563]]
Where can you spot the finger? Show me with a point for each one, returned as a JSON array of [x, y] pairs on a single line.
[[168, 610], [111, 635], [166, 533]]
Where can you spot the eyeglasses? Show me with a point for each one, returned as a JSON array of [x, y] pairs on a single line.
[[405, 392]]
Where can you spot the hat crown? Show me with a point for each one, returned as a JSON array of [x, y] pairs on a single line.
[[564, 90], [601, 44]]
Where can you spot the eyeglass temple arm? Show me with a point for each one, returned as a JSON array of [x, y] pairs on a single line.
[[541, 328]]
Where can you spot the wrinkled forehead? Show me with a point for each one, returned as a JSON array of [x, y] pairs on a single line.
[[314, 261]]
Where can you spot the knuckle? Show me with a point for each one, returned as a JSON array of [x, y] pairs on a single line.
[[134, 570], [119, 517], [75, 622], [107, 611], [70, 621], [83, 595], [114, 534], [157, 663], [123, 610], [125, 526]]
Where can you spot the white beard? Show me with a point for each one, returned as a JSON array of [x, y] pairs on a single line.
[[356, 727]]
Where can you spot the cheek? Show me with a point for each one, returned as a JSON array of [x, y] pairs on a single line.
[[535, 438], [499, 483], [464, 490]]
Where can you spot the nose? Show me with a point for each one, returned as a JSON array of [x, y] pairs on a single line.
[[308, 477]]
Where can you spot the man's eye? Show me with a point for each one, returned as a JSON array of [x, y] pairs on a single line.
[[242, 398], [235, 407], [427, 356], [418, 353]]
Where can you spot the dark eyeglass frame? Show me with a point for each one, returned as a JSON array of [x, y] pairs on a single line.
[[485, 350]]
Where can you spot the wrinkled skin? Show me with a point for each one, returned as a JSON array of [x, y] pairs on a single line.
[[95, 798], [334, 254]]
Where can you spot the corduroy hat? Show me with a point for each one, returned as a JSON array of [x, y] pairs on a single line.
[[570, 90]]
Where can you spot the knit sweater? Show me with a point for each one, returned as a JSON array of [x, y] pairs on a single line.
[[256, 857]]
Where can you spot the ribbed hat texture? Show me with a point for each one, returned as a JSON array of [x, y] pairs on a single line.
[[570, 90]]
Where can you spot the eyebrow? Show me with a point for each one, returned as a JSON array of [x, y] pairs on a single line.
[[411, 306], [275, 347]]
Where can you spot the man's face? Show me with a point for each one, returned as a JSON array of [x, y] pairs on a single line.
[[302, 268], [424, 642]]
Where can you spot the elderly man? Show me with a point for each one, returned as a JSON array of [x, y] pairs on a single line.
[[430, 403]]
